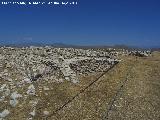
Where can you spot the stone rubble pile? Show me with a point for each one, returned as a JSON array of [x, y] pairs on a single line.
[[140, 53], [88, 66], [30, 64], [34, 63]]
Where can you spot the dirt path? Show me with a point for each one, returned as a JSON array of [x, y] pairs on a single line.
[[131, 90]]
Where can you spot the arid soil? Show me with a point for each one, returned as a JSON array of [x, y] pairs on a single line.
[[128, 91]]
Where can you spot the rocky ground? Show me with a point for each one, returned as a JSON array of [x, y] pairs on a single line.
[[66, 83]]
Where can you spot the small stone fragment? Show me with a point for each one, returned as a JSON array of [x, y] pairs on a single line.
[[31, 90], [13, 102], [4, 113], [45, 88], [46, 113], [33, 113], [15, 95]]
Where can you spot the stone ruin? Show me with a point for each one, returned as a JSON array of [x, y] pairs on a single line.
[[35, 63]]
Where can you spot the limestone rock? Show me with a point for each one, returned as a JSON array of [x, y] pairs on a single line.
[[31, 90]]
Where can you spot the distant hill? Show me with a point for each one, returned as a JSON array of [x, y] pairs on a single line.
[[155, 49], [62, 45]]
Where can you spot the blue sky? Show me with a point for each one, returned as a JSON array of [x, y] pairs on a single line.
[[91, 22]]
